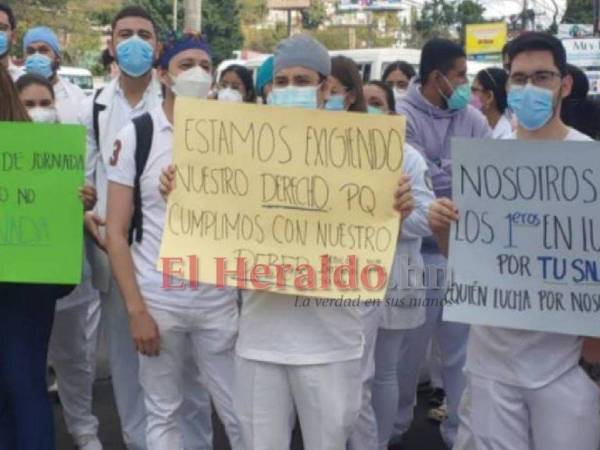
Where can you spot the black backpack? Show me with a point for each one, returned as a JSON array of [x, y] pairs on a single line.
[[144, 131]]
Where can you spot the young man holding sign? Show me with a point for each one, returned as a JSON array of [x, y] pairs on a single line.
[[526, 389], [165, 322], [134, 44], [292, 359]]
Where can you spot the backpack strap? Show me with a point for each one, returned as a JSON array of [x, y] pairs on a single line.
[[97, 109], [144, 131]]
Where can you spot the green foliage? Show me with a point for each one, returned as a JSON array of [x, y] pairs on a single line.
[[264, 40], [313, 17], [439, 18], [221, 24], [579, 11], [253, 12], [161, 11], [67, 18]]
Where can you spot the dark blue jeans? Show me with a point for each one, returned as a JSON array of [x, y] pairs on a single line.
[[26, 419]]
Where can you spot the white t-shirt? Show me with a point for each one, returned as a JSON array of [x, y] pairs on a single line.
[[503, 129], [285, 329], [69, 101], [529, 359], [146, 253]]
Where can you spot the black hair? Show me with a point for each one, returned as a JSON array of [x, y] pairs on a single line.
[[246, 77], [402, 66], [494, 80], [133, 11], [581, 84], [11, 15], [31, 79], [439, 54], [583, 115], [539, 41], [346, 72], [389, 94]]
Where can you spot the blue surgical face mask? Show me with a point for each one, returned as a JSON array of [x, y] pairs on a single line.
[[4, 44], [375, 110], [135, 56], [461, 95], [295, 97], [335, 103], [533, 106], [40, 65]]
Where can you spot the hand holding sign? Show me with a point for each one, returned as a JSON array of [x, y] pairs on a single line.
[[525, 252], [41, 236], [280, 191]]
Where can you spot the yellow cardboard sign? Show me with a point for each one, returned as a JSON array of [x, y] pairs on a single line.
[[286, 200], [486, 38]]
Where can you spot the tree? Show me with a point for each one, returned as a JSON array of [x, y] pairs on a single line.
[[436, 20], [253, 12], [313, 17], [468, 12], [440, 18], [221, 25], [220, 22], [579, 11], [67, 18], [162, 12]]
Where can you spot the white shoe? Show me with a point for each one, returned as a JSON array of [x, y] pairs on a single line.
[[88, 443]]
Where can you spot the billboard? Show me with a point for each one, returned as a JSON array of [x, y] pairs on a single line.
[[583, 52], [486, 38], [370, 5], [288, 4], [575, 30]]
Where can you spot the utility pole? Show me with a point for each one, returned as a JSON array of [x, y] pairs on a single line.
[[193, 15], [175, 10], [596, 17], [524, 16]]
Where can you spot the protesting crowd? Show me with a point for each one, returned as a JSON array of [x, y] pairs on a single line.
[[348, 375]]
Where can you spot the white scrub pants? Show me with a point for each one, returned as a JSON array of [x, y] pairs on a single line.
[[326, 398], [70, 353], [129, 397], [364, 436], [452, 341], [211, 335], [562, 415]]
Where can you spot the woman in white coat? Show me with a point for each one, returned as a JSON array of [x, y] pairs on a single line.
[[404, 307]]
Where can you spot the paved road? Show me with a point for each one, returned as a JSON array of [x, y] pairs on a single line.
[[423, 436]]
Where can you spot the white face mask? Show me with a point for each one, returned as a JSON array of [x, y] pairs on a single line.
[[399, 93], [194, 82], [230, 95], [43, 115]]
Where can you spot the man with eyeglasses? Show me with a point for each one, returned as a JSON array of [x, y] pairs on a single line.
[[526, 389]]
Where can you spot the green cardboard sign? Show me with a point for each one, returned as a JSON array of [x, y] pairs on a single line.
[[41, 216]]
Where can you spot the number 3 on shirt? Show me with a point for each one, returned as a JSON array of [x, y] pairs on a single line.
[[114, 159]]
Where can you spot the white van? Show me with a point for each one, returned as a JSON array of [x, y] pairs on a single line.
[[474, 67], [251, 64], [372, 62], [79, 77]]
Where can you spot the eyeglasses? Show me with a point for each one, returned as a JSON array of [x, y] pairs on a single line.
[[541, 78]]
